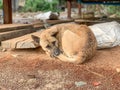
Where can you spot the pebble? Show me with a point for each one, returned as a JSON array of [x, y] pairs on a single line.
[[81, 83], [96, 83], [21, 81], [31, 81]]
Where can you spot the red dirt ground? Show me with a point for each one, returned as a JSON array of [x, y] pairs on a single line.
[[34, 70]]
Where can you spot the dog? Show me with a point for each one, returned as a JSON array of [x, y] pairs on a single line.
[[68, 42]]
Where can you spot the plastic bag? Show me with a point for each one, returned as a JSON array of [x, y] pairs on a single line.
[[107, 34]]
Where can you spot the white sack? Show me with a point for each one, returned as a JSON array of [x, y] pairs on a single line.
[[45, 16], [107, 34]]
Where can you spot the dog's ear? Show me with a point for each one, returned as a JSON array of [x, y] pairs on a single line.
[[36, 39], [53, 31], [54, 34]]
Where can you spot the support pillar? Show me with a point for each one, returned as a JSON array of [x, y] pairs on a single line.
[[7, 10]]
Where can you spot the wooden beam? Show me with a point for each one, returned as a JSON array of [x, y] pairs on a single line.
[[14, 27], [7, 8]]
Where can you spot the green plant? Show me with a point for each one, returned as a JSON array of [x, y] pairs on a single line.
[[113, 10], [40, 5], [1, 4]]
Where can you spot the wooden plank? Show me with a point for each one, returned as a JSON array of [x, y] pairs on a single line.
[[7, 7], [37, 27], [52, 22], [88, 22], [23, 42], [14, 34], [95, 21], [11, 27], [39, 24]]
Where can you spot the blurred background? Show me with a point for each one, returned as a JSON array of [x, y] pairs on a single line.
[[30, 8]]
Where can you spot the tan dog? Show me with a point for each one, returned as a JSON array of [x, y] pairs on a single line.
[[69, 42]]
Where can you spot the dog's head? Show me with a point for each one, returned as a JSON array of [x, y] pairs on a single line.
[[49, 44]]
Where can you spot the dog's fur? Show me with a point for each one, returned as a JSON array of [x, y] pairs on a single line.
[[69, 42]]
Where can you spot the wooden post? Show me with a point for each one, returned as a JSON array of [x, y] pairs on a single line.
[[7, 8], [69, 2]]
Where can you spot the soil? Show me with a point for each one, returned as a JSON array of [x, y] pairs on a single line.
[[34, 70]]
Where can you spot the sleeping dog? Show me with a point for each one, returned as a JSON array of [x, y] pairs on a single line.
[[68, 42]]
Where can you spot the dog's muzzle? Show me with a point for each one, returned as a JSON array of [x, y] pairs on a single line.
[[55, 52]]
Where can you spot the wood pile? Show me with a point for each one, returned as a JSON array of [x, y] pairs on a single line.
[[18, 36]]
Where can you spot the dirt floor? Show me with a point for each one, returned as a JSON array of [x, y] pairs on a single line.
[[34, 70]]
